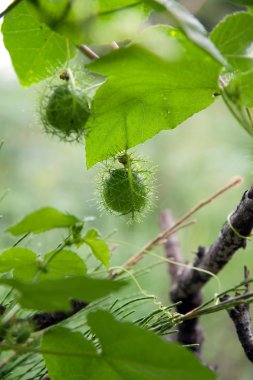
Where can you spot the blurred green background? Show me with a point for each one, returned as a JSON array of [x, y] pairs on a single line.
[[193, 161]]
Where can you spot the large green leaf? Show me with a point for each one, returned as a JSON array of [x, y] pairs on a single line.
[[98, 246], [56, 294], [36, 51], [42, 220], [233, 37], [127, 353], [146, 93]]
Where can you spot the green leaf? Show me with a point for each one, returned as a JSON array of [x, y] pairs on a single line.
[[190, 25], [21, 260], [76, 357], [64, 264], [233, 37], [146, 92], [56, 294], [98, 246], [36, 51], [25, 264], [42, 220], [127, 352]]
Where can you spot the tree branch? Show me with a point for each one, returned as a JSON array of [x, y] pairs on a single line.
[[189, 332], [41, 321], [240, 315], [219, 253]]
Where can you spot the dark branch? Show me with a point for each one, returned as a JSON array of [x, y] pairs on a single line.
[[219, 253], [240, 316], [43, 320], [189, 332], [9, 8]]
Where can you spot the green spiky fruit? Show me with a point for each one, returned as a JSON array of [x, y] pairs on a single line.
[[124, 191], [66, 112]]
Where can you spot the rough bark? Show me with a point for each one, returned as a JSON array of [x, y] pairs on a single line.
[[42, 320], [214, 258], [189, 332], [240, 316]]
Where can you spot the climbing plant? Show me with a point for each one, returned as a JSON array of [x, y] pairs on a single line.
[[110, 78]]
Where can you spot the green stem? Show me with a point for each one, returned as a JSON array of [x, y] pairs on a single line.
[[238, 113], [43, 267], [237, 300], [4, 195]]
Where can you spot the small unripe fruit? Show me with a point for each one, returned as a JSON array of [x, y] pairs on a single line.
[[66, 112], [124, 192]]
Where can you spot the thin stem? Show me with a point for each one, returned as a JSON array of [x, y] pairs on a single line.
[[5, 193], [115, 45], [226, 101], [43, 267], [71, 78], [237, 300], [88, 51], [9, 8], [250, 117], [21, 239]]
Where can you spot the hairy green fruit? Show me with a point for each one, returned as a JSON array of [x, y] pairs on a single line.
[[66, 112], [125, 192]]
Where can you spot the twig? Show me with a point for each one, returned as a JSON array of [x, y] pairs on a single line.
[[171, 245], [115, 45], [88, 51], [9, 8], [225, 304], [21, 239], [163, 235]]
